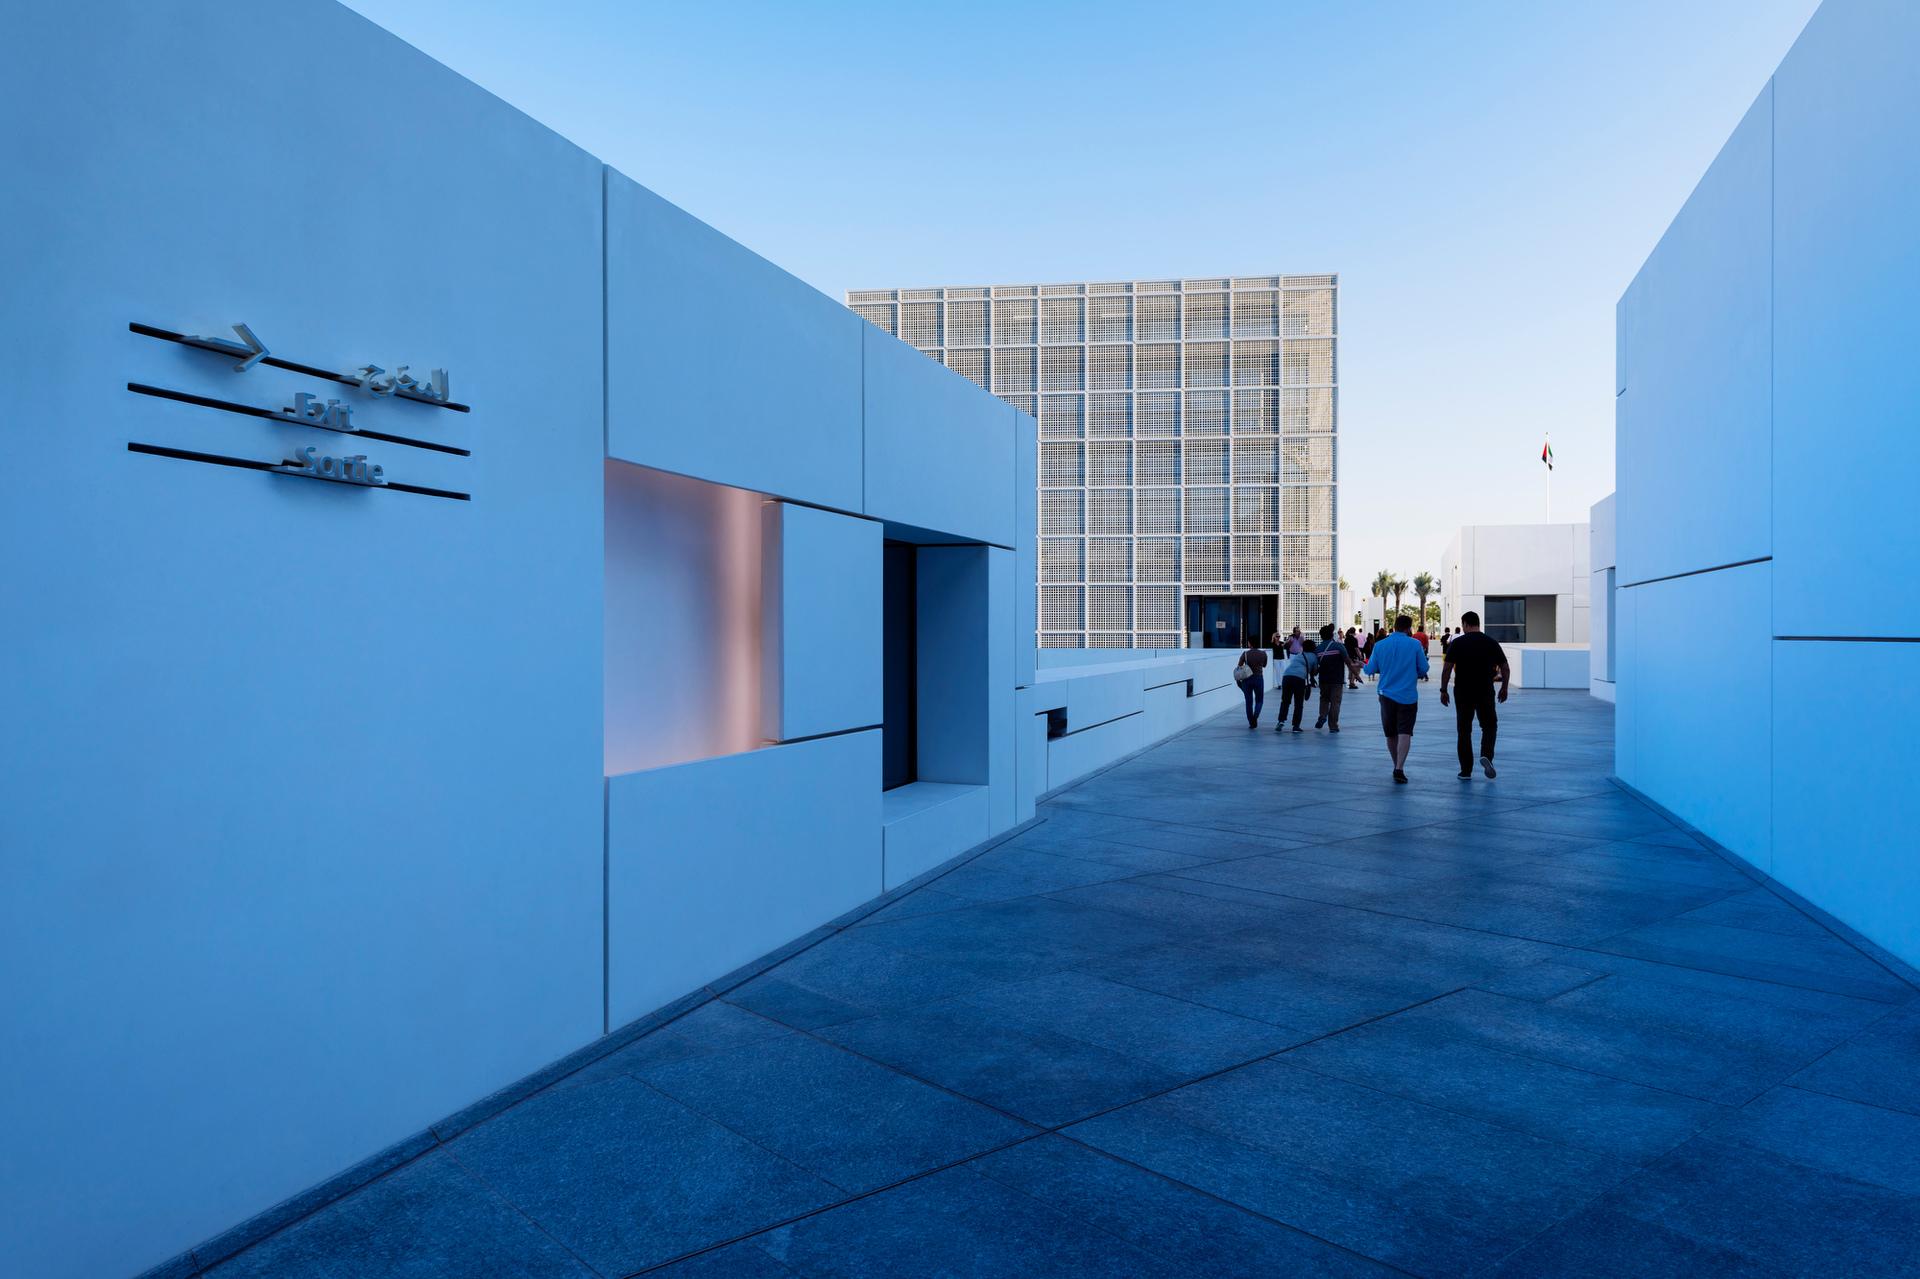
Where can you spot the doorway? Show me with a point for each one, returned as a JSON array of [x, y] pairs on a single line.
[[1231, 621], [899, 753]]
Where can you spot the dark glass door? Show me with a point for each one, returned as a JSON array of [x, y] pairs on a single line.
[[1231, 621]]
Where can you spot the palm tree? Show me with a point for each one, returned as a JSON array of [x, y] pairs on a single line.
[[1382, 587], [1399, 589], [1424, 584]]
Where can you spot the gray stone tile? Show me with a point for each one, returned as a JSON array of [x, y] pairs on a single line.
[[1835, 1136], [1726, 1050], [1879, 1066], [1820, 962], [1185, 1038], [1388, 1178], [1422, 1062], [712, 1027], [839, 1116], [1006, 873], [1200, 1234], [1041, 1076], [1758, 910], [427, 1219], [1541, 981], [847, 977], [626, 1177], [1741, 1209], [1524, 1027], [956, 1223]]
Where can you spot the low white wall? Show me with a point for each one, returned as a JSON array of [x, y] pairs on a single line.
[[1116, 706], [1549, 666]]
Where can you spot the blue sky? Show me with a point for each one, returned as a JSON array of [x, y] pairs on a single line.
[[1485, 176]]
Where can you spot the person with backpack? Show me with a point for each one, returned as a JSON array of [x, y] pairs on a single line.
[[1251, 676], [1296, 685], [1353, 657], [1334, 673]]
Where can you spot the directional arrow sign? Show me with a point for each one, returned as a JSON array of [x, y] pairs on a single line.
[[250, 349]]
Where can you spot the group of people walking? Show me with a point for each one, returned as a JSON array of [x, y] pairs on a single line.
[[1472, 662]]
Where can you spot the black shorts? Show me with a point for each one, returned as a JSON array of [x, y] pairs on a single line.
[[1396, 718]]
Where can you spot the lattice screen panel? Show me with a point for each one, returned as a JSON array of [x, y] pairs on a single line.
[[1063, 320], [1062, 465], [1256, 510], [1110, 416], [1204, 413], [1013, 370], [1109, 559], [1156, 462], [880, 315], [1188, 437], [1205, 461], [1110, 319], [1206, 510], [1110, 462], [974, 365], [1157, 413], [1063, 559], [1157, 559], [1063, 368], [1158, 510], [1109, 510], [967, 324], [1062, 608], [1110, 608], [1062, 417], [1109, 368]]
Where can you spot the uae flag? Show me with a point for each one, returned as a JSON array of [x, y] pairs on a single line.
[[1546, 454]]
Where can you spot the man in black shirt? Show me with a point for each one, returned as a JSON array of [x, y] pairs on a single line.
[[1477, 658]]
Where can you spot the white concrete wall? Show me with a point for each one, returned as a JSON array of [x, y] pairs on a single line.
[[822, 660], [1775, 313], [1601, 594], [300, 785], [1546, 561], [327, 812], [1116, 707]]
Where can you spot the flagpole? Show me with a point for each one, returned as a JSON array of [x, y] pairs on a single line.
[[1549, 481]]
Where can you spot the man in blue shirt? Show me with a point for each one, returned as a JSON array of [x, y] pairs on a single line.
[[1401, 663]]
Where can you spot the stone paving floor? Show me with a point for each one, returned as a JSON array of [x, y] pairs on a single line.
[[1238, 1006]]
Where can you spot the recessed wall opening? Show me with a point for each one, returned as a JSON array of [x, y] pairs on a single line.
[[1521, 619], [683, 619], [899, 753], [1231, 621]]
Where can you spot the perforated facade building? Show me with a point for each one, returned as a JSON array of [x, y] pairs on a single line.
[[1188, 440]]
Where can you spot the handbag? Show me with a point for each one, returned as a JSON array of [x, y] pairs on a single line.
[[1242, 673]]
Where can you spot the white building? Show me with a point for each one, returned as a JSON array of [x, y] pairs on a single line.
[[1187, 456], [1528, 582]]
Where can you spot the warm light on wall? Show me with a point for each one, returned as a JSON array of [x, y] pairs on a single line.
[[683, 621]]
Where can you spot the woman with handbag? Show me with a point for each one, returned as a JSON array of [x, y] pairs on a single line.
[[1250, 675]]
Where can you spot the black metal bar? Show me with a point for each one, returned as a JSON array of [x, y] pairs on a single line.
[[252, 464], [229, 406], [292, 366]]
